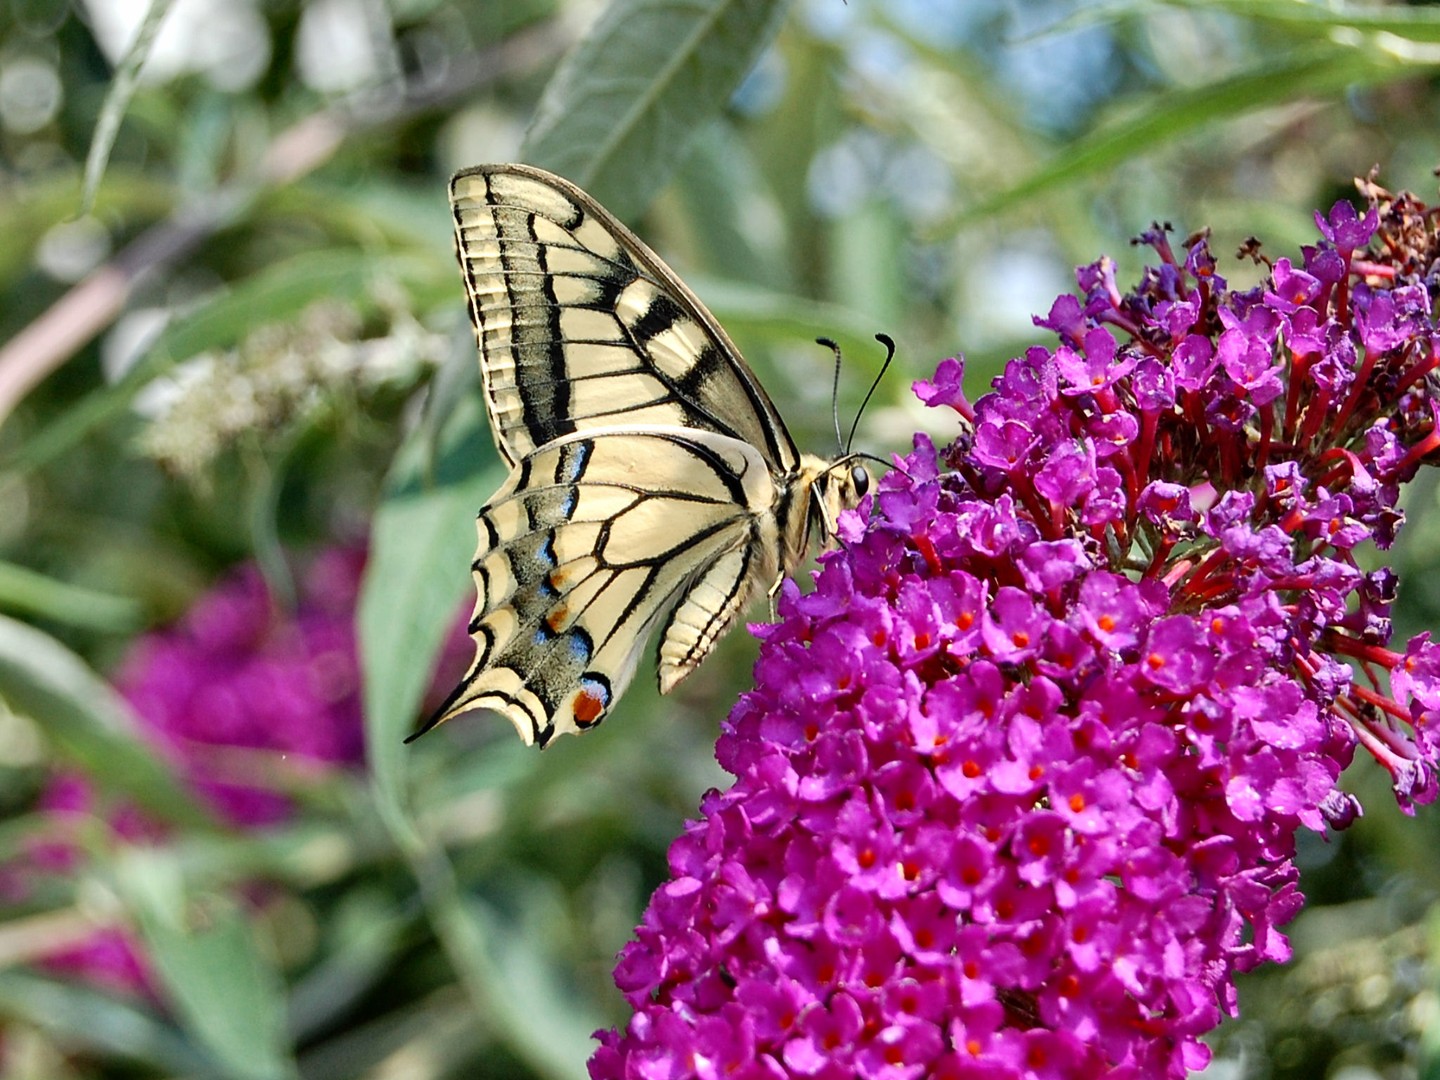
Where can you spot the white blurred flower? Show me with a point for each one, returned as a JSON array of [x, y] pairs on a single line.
[[226, 41]]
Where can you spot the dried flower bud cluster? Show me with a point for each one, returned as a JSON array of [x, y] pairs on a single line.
[[279, 375]]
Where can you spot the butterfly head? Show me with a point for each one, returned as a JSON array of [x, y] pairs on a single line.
[[835, 486]]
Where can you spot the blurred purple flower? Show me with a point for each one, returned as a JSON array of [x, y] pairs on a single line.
[[237, 694], [239, 672], [1018, 786]]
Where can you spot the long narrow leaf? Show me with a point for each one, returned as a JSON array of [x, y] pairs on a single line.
[[619, 113], [32, 593], [80, 712], [79, 1018], [117, 97], [1325, 69], [222, 988], [1420, 24], [518, 993], [416, 579]]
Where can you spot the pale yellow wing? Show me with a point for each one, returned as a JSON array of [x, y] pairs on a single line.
[[652, 478], [581, 326], [592, 541]]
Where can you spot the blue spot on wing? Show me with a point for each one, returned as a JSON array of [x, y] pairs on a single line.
[[580, 646]]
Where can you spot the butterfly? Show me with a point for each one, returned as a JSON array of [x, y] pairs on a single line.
[[652, 482]]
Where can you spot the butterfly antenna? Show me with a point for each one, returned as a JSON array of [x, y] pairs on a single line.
[[889, 343], [834, 388]]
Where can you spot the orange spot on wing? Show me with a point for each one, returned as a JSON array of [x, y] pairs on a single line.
[[588, 707], [556, 619]]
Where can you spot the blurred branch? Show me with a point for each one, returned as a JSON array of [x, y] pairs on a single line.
[[91, 305], [25, 940]]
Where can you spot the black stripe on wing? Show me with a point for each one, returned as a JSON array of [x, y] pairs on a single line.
[[527, 224]]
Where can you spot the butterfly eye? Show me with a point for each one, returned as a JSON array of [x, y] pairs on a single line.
[[860, 480]]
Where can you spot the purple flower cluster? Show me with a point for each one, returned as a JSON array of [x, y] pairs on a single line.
[[244, 697], [240, 673], [1018, 785]]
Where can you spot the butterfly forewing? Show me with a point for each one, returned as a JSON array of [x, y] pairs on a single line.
[[580, 325]]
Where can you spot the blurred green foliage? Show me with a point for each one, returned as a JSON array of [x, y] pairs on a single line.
[[927, 169]]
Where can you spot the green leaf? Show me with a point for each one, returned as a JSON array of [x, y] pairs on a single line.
[[79, 1018], [620, 111], [1428, 1051], [30, 212], [513, 986], [735, 224], [544, 1018], [1416, 23], [223, 990], [83, 715], [364, 933], [275, 294], [35, 594], [421, 544], [1321, 70], [775, 316], [400, 214]]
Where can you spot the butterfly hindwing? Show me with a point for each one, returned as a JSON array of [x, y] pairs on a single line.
[[580, 325], [588, 545]]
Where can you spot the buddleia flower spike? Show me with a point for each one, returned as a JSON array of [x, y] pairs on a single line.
[[1017, 791]]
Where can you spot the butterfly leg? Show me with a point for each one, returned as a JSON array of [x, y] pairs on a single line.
[[773, 592]]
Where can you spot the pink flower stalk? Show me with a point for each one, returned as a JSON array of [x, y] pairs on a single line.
[[1017, 789]]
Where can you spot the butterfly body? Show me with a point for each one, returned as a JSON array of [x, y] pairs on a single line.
[[652, 480]]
